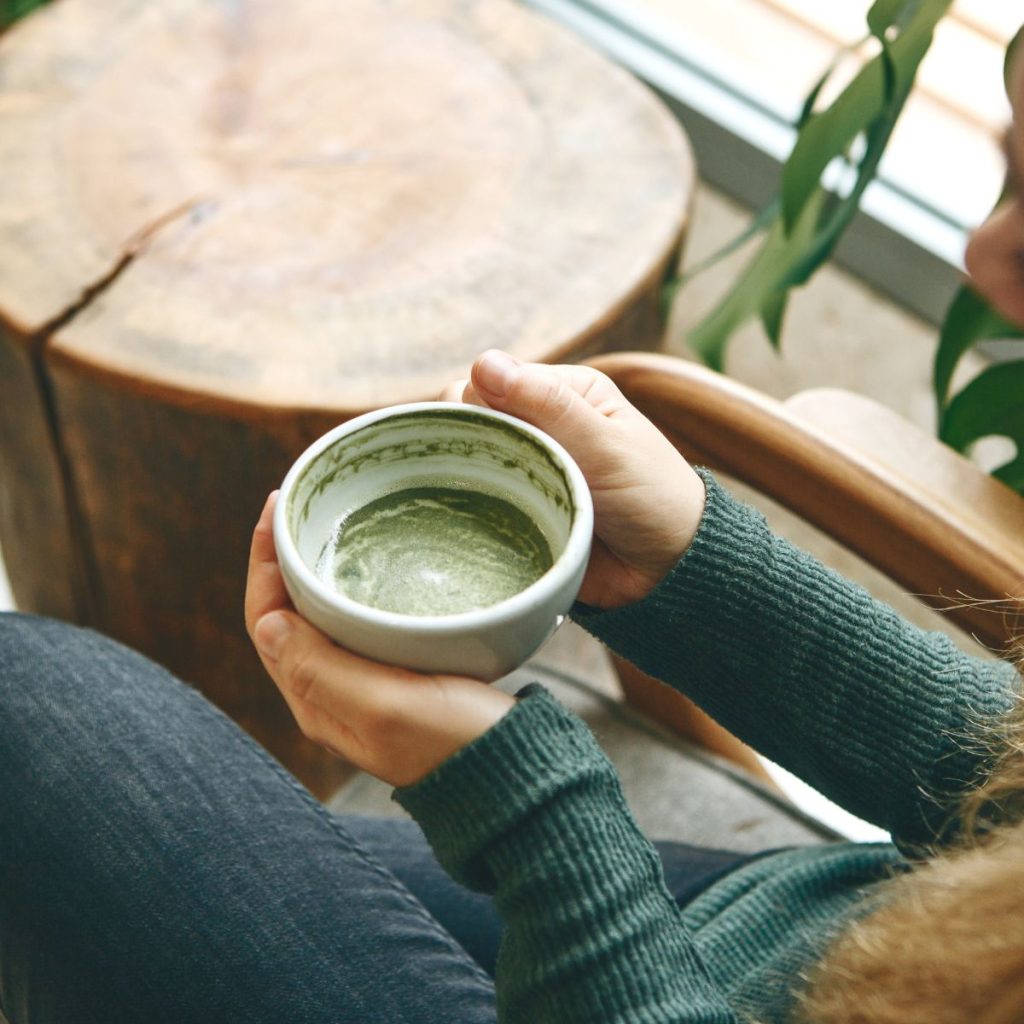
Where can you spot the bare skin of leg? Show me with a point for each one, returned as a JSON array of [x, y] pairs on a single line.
[[680, 714]]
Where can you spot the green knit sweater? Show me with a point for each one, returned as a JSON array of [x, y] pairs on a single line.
[[804, 666]]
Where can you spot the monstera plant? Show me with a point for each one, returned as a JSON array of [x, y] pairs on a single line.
[[802, 225], [11, 10]]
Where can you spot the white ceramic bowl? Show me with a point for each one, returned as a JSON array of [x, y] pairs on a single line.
[[414, 445]]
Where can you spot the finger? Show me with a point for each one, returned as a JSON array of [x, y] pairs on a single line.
[[470, 397], [325, 730], [335, 696], [394, 723], [283, 641], [315, 725], [453, 392], [554, 398], [264, 588], [307, 665]]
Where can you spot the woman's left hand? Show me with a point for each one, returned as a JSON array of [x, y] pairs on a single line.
[[395, 724]]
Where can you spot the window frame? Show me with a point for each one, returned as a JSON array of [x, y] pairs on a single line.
[[898, 244]]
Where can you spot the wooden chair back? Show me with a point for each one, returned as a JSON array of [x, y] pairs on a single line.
[[915, 509]]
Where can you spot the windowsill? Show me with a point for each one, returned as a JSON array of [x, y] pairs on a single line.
[[908, 246]]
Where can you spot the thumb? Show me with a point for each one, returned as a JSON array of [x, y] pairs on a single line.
[[541, 395]]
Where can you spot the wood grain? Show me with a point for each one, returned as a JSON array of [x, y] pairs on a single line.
[[226, 228], [368, 195], [170, 496], [42, 559]]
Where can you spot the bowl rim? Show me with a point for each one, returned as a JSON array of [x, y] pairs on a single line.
[[574, 554]]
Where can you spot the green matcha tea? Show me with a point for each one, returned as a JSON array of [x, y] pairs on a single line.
[[435, 551]]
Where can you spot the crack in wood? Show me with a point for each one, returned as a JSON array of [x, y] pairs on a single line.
[[133, 247], [86, 572]]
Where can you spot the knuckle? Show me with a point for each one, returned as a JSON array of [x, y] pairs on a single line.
[[551, 399], [601, 384], [453, 391], [301, 674]]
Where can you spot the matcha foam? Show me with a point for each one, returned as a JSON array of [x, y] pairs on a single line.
[[434, 551]]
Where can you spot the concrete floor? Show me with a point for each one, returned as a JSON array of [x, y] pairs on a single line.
[[6, 598], [840, 334]]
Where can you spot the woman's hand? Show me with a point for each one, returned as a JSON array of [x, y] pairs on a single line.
[[400, 725], [648, 501], [396, 724]]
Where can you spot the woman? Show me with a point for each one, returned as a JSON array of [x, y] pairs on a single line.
[[156, 865]]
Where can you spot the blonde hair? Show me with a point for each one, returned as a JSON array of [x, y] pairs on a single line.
[[944, 943]]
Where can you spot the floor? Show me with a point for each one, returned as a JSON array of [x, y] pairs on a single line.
[[6, 597], [839, 333]]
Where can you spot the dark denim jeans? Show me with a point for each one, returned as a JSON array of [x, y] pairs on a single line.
[[157, 865]]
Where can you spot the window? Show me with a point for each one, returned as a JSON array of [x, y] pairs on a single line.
[[736, 72]]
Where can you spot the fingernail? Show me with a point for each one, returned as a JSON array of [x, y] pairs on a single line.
[[271, 633], [495, 372]]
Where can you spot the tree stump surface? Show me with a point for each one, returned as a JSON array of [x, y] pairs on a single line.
[[226, 227]]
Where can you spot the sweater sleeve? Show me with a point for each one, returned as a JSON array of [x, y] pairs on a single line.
[[885, 719], [532, 813]]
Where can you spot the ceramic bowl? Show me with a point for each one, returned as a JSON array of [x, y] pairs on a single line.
[[410, 446]]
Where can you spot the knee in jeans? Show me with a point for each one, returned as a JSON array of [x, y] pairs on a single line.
[[50, 669], [43, 661]]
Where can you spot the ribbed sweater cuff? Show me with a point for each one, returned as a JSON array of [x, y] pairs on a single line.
[[532, 812], [705, 593], [481, 793], [811, 671]]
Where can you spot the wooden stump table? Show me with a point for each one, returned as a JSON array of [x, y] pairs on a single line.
[[225, 228]]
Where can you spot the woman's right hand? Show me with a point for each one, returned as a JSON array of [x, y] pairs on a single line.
[[648, 501]]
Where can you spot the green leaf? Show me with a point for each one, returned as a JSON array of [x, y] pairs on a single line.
[[1012, 472], [826, 136], [773, 312], [990, 405], [871, 94], [708, 339], [810, 220], [12, 10], [759, 224], [968, 320], [838, 214], [760, 279], [886, 13], [1011, 52], [807, 110]]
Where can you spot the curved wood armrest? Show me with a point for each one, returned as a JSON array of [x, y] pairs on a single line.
[[924, 515]]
